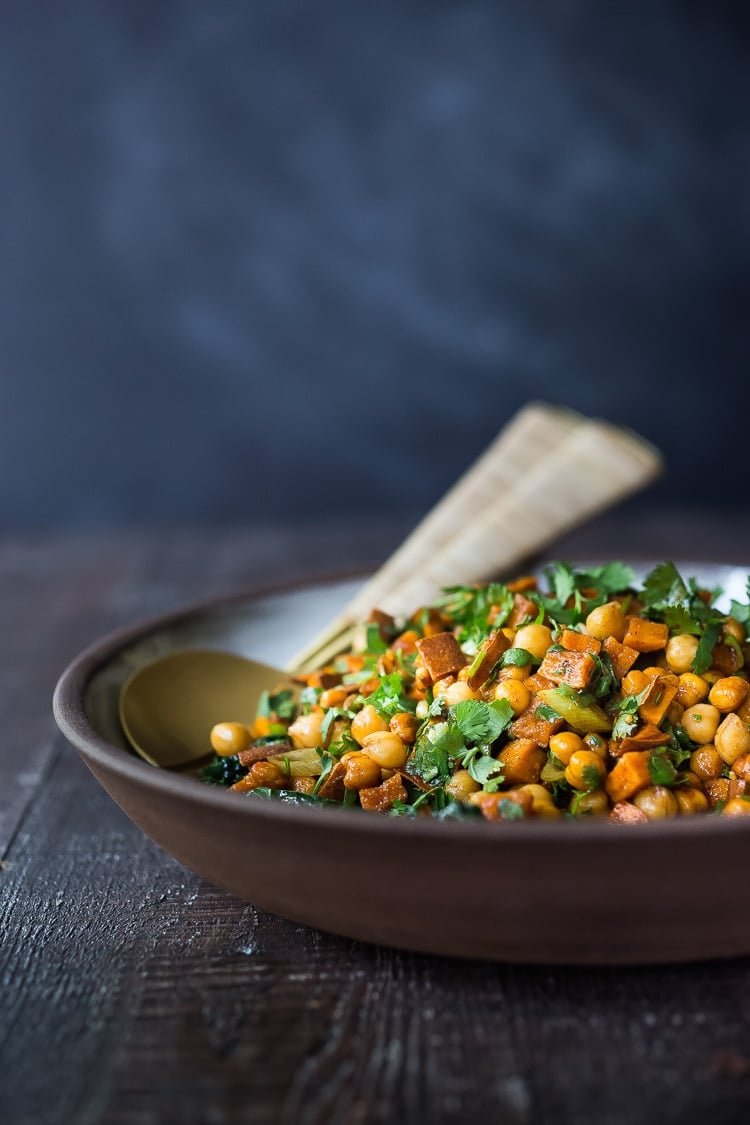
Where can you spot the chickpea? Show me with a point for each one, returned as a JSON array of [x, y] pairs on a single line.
[[542, 804], [741, 767], [675, 711], [362, 772], [585, 770], [422, 709], [594, 803], [732, 739], [737, 806], [690, 800], [735, 629], [729, 693], [334, 697], [515, 672], [536, 639], [461, 786], [657, 802], [516, 692], [706, 763], [700, 722], [440, 686], [366, 722], [691, 689], [457, 693], [606, 621], [565, 744], [386, 749], [665, 677], [681, 652], [305, 730], [596, 744], [230, 738], [405, 725]]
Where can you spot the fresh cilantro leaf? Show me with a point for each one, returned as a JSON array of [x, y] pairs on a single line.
[[627, 713], [309, 697], [375, 642], [664, 585], [661, 767], [562, 579], [487, 771], [431, 759], [592, 775], [389, 698], [741, 611], [547, 713], [292, 797], [327, 761], [472, 607], [458, 810], [482, 722], [679, 619], [611, 578], [703, 658], [223, 770], [519, 658], [329, 719]]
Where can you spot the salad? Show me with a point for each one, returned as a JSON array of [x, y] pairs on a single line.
[[583, 694]]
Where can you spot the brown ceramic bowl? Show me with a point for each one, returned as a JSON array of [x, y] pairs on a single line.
[[539, 891]]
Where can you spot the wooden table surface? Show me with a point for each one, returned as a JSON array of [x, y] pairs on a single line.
[[133, 992]]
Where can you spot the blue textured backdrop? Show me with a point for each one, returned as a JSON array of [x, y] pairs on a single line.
[[297, 256]]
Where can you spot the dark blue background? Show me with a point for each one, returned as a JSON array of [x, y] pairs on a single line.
[[309, 256]]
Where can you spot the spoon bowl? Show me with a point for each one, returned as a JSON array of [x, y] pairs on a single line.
[[168, 707]]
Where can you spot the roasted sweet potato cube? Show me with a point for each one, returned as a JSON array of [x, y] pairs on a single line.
[[622, 656], [579, 642], [525, 582], [441, 655], [523, 610], [536, 683], [628, 775], [565, 667], [657, 702], [488, 654], [646, 738], [522, 761], [494, 806], [332, 786], [380, 798], [533, 726], [626, 813], [645, 636]]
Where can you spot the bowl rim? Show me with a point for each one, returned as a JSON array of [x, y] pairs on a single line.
[[73, 723]]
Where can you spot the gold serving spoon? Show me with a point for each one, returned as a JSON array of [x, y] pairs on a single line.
[[547, 471]]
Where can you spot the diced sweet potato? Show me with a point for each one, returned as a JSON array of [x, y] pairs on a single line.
[[525, 582], [536, 683], [488, 654], [572, 668], [494, 805], [657, 702], [380, 798], [626, 813], [332, 786], [628, 775], [441, 655], [622, 656], [646, 738], [523, 610], [533, 726], [644, 635], [522, 761], [579, 642]]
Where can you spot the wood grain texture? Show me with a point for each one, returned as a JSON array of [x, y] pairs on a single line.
[[134, 993]]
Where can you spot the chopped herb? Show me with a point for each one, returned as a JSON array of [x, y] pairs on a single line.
[[518, 658], [482, 722]]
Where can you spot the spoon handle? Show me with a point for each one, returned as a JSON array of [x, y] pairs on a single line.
[[548, 470]]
